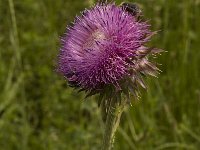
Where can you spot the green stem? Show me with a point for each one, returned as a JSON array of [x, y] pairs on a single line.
[[112, 122]]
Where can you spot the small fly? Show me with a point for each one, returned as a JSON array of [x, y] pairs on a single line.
[[131, 8]]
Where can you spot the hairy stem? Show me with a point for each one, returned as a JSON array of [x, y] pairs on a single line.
[[112, 122]]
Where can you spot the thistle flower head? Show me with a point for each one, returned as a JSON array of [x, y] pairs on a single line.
[[106, 47]]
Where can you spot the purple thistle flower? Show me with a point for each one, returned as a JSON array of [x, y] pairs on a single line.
[[105, 47]]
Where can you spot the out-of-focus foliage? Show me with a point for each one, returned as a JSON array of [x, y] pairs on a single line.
[[39, 111]]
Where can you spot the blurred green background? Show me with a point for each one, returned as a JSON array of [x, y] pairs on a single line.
[[38, 111]]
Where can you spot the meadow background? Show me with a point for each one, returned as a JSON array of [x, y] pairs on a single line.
[[38, 111]]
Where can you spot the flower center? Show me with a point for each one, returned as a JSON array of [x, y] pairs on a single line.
[[96, 36]]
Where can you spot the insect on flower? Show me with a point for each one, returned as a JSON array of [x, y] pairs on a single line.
[[132, 8]]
